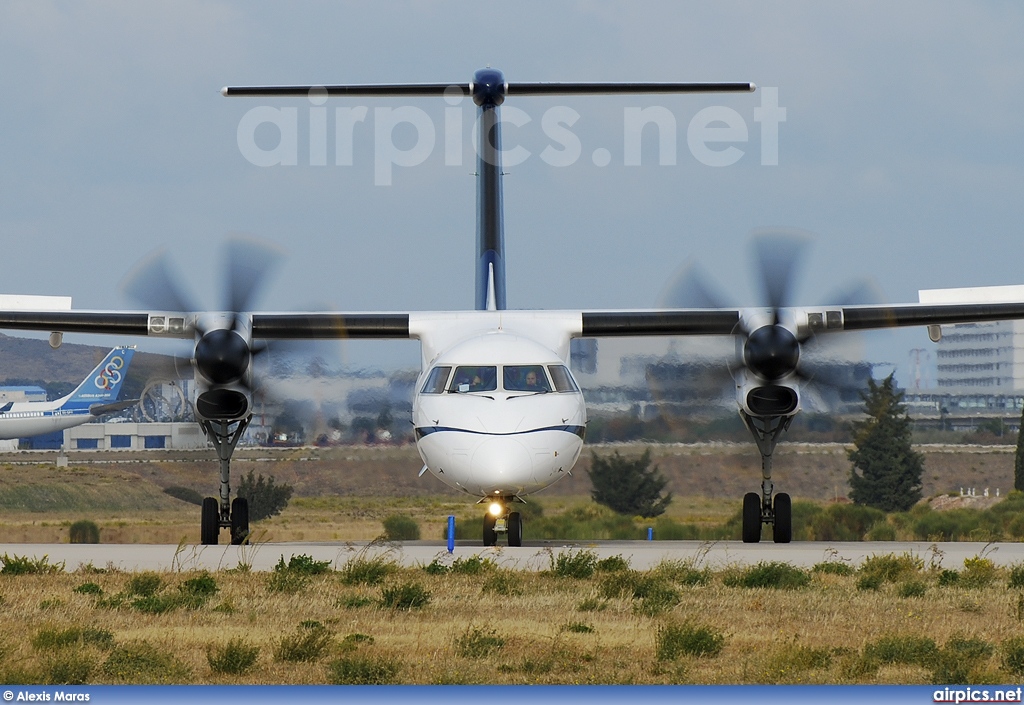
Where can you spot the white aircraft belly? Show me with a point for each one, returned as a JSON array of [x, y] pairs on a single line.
[[503, 464]]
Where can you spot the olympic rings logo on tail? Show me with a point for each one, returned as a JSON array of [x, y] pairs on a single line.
[[110, 374]]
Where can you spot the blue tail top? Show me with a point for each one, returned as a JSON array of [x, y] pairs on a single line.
[[104, 383]]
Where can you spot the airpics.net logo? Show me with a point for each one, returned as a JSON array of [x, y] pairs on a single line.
[[716, 136]]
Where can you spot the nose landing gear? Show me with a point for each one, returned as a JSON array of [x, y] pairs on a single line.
[[499, 520]]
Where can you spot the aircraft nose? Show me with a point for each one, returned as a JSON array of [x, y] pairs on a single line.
[[504, 463]]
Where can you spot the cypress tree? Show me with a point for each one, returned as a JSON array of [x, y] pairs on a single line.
[[886, 472], [629, 487]]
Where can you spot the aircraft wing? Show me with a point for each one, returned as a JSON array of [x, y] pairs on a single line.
[[395, 325], [101, 409], [165, 324], [817, 319]]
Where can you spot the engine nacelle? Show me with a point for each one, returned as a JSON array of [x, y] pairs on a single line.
[[223, 369], [759, 398]]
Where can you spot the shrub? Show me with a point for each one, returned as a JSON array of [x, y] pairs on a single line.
[[682, 572], [574, 564], [1013, 655], [202, 586], [84, 531], [363, 570], [912, 588], [592, 604], [914, 650], [303, 564], [1016, 579], [674, 640], [437, 567], [89, 589], [22, 565], [961, 660], [266, 499], [774, 574], [503, 582], [309, 643], [141, 662], [978, 572], [478, 643], [843, 522], [68, 668], [656, 597], [399, 527], [578, 628], [794, 658], [472, 565], [612, 564], [287, 582], [234, 658], [185, 494], [351, 642], [832, 568], [949, 578], [891, 568], [869, 581], [362, 670], [405, 596], [48, 639], [144, 584], [352, 602], [156, 604]]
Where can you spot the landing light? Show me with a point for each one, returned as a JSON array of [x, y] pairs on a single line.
[[495, 509]]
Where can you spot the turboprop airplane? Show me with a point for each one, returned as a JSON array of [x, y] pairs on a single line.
[[497, 413], [97, 395]]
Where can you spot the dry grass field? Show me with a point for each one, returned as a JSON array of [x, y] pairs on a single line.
[[582, 621]]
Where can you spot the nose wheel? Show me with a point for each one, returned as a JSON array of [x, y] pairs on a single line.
[[499, 520]]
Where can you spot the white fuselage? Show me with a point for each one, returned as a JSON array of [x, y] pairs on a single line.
[[26, 419], [512, 424]]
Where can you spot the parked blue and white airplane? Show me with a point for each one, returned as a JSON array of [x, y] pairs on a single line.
[[497, 413], [98, 394]]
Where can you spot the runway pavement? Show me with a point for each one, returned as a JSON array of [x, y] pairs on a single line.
[[535, 556]]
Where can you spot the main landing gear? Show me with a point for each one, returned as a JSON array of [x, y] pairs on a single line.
[[758, 510], [499, 520], [226, 514]]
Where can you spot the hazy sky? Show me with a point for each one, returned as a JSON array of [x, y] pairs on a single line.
[[902, 149]]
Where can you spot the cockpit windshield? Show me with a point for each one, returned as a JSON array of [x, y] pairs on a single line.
[[525, 378], [474, 378]]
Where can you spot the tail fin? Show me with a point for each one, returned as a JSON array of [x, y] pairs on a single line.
[[488, 90], [104, 383]]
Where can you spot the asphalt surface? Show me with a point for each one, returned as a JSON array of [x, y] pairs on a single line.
[[535, 555]]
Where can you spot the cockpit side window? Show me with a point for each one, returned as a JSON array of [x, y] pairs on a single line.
[[474, 378], [436, 380], [525, 378], [562, 379]]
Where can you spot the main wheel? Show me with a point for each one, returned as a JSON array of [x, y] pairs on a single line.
[[515, 529], [751, 517], [490, 535], [782, 529], [210, 525], [239, 521]]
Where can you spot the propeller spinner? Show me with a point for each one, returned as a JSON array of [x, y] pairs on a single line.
[[224, 350]]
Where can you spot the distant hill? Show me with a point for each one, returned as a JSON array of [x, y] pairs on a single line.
[[31, 361]]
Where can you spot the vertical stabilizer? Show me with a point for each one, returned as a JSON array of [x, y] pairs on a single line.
[[105, 382], [488, 91]]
